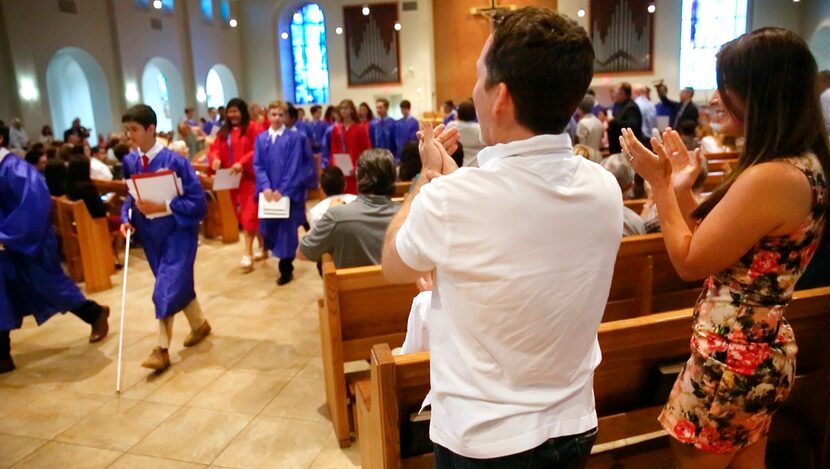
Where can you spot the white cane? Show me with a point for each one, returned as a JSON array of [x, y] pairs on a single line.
[[123, 304]]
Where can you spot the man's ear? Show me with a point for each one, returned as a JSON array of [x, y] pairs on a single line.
[[503, 101]]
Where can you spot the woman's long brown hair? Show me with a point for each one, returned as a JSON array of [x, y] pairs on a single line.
[[768, 79]]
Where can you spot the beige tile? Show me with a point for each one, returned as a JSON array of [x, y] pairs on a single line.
[[217, 351], [136, 461], [119, 425], [243, 392], [301, 399], [275, 442], [56, 454], [147, 383], [14, 398], [337, 458], [15, 448], [269, 356], [49, 414], [193, 435], [184, 385]]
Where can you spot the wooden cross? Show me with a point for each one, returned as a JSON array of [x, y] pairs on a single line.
[[491, 10]]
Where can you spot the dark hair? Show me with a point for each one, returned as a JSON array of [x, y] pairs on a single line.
[[188, 109], [38, 147], [211, 109], [240, 104], [332, 181], [467, 111], [410, 162], [141, 114], [222, 108], [384, 101], [688, 128], [591, 92], [376, 172], [458, 155], [46, 130], [77, 170], [546, 60], [55, 175], [121, 150], [625, 87], [292, 112], [449, 103], [33, 156], [328, 116], [759, 69], [4, 134], [315, 108], [369, 114], [405, 104]]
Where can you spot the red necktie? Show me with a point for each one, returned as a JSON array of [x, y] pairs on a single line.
[[145, 162]]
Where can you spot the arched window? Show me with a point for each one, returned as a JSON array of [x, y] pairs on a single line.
[[310, 55], [207, 10], [225, 10]]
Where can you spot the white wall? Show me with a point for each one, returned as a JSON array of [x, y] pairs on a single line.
[[37, 30], [8, 88], [816, 31], [261, 53], [213, 43]]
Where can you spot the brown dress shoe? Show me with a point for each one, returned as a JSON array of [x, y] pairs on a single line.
[[158, 360], [101, 327], [198, 335]]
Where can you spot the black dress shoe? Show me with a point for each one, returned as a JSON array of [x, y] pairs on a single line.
[[285, 279], [6, 364]]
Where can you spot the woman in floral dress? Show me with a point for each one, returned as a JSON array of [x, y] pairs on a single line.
[[751, 239]]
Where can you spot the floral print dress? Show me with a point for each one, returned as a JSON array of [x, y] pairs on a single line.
[[743, 350]]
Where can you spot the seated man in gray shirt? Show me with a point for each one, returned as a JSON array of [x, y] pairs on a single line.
[[633, 224], [353, 233]]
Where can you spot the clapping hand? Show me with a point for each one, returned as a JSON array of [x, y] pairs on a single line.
[[685, 167], [654, 168], [447, 136], [434, 156]]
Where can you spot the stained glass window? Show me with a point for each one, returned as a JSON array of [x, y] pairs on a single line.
[[225, 10], [167, 5], [310, 55], [705, 26], [142, 3], [207, 9]]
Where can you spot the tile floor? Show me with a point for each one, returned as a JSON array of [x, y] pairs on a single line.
[[250, 396]]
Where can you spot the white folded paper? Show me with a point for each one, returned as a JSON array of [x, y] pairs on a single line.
[[344, 162], [278, 209], [224, 180], [160, 188]]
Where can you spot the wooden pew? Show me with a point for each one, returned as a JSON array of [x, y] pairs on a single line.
[[360, 309], [625, 384], [635, 204], [86, 244], [723, 155], [402, 188], [220, 219], [713, 180], [117, 187]]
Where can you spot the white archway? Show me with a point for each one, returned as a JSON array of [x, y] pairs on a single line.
[[71, 77], [220, 86], [163, 90]]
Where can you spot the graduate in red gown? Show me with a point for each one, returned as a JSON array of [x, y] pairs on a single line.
[[349, 136], [234, 149]]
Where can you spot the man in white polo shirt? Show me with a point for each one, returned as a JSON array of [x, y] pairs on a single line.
[[523, 250]]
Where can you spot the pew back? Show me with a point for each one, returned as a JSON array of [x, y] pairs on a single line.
[[86, 244]]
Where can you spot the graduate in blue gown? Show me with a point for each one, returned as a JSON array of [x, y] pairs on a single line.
[[31, 278], [406, 129], [284, 166], [382, 128], [316, 129], [169, 241]]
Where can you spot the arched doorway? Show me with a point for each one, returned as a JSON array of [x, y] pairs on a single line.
[[71, 77], [162, 89], [220, 86]]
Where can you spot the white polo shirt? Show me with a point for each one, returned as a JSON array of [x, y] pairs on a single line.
[[524, 249]]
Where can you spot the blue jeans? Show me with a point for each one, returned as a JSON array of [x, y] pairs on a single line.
[[566, 452]]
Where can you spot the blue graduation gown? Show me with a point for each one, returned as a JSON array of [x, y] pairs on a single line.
[[406, 130], [315, 131], [32, 279], [169, 242], [382, 133], [450, 117], [325, 148], [285, 166]]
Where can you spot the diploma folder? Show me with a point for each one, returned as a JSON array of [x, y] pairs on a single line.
[[344, 162], [160, 187], [224, 180], [278, 209]]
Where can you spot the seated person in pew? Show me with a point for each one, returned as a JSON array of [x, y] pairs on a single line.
[[751, 239], [37, 158], [353, 233], [170, 242], [410, 165], [417, 326], [624, 173], [333, 184], [521, 307], [32, 281]]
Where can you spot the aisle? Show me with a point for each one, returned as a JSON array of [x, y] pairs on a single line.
[[251, 395]]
